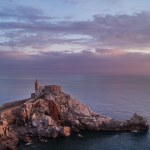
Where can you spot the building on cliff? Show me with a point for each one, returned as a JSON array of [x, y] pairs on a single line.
[[45, 91]]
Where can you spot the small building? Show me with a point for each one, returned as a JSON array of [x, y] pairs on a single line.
[[32, 95]]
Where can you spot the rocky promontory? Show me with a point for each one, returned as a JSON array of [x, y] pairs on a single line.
[[51, 113]]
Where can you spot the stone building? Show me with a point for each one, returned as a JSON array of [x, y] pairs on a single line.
[[45, 91]]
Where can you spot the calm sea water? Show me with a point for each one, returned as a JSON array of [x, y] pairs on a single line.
[[117, 97]]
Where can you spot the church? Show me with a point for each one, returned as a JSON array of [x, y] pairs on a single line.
[[45, 91]]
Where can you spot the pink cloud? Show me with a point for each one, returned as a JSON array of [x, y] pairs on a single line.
[[78, 63]]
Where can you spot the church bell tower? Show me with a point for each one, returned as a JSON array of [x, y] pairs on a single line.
[[37, 85]]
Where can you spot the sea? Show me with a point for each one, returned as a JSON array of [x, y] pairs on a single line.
[[114, 96]]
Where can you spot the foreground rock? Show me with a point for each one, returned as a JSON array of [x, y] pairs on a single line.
[[55, 114]]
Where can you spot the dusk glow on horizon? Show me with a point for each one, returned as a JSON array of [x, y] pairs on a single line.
[[106, 37]]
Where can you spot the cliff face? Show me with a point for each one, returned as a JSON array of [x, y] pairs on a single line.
[[44, 118]]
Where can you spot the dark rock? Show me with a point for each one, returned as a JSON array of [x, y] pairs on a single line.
[[42, 140], [79, 136]]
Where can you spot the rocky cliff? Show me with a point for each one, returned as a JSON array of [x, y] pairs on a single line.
[[60, 116]]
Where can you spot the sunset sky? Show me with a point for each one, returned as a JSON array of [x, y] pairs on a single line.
[[106, 37]]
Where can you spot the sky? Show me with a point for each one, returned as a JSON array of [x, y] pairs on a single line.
[[104, 37]]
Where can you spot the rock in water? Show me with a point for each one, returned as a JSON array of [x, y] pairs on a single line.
[[79, 136], [54, 117]]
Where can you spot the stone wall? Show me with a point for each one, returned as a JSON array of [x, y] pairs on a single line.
[[55, 88]]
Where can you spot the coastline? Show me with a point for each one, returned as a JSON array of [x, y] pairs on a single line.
[[59, 116]]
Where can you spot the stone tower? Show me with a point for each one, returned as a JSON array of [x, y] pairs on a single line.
[[37, 85]]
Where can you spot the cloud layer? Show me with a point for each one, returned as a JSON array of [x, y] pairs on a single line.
[[35, 30], [85, 62], [32, 42]]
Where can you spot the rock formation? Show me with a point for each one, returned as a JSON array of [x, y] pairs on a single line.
[[58, 116]]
